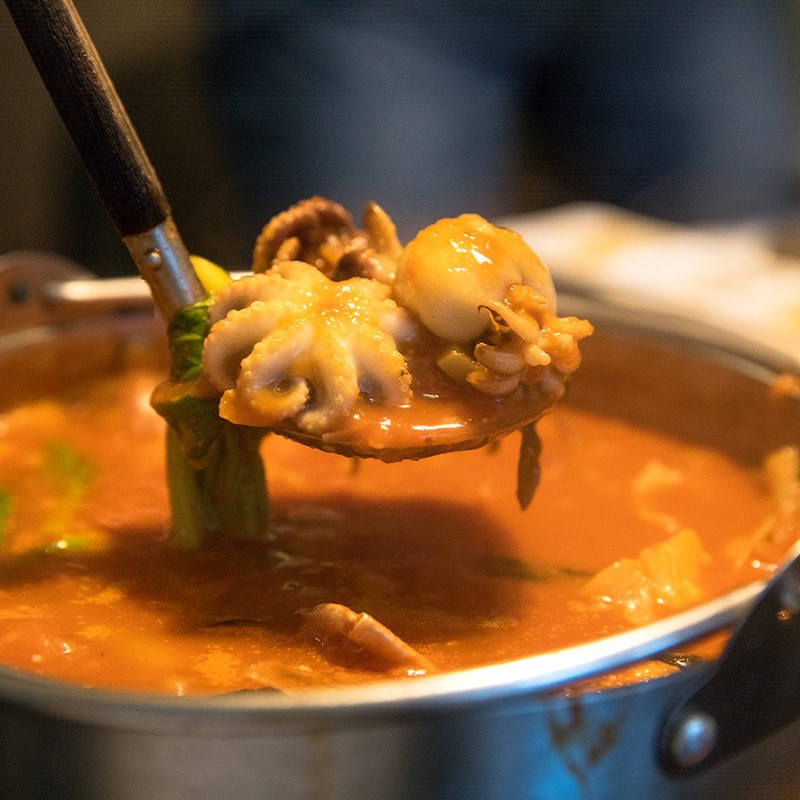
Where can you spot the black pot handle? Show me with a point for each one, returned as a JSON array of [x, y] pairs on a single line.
[[753, 691]]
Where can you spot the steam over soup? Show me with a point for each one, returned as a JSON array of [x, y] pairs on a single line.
[[375, 570]]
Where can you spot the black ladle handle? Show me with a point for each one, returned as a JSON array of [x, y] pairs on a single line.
[[95, 118]]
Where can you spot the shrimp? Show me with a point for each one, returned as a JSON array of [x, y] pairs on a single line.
[[366, 632]]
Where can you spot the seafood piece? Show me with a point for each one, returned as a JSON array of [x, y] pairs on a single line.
[[292, 344], [374, 255], [366, 632], [329, 346], [321, 232], [472, 283], [768, 542], [455, 266]]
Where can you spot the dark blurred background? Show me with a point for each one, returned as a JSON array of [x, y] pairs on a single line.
[[680, 109]]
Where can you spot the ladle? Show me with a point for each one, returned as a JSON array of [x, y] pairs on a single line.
[[92, 112]]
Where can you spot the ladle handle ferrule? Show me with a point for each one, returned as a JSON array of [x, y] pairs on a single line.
[[164, 263]]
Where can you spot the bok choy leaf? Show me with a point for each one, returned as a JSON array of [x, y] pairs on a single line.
[[215, 473]]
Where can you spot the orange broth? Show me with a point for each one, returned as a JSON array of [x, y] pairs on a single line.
[[93, 591]]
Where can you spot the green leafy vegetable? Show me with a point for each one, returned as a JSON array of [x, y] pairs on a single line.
[[187, 331], [70, 470], [5, 512], [70, 473], [215, 473]]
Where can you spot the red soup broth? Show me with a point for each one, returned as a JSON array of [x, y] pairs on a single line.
[[94, 591]]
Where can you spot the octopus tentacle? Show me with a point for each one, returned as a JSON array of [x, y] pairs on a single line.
[[500, 360], [336, 385], [293, 352], [368, 288], [321, 233], [295, 274], [503, 317], [266, 384], [384, 366], [374, 255], [231, 339], [309, 222], [334, 619], [243, 292], [381, 231], [493, 383]]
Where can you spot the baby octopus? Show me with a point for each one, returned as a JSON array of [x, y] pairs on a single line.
[[330, 310], [291, 344], [322, 233], [481, 287]]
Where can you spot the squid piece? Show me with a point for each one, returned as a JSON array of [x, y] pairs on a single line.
[[365, 631]]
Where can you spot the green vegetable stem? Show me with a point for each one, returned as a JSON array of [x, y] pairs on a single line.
[[215, 474], [528, 471]]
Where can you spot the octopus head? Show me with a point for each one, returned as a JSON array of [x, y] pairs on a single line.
[[453, 268], [486, 292]]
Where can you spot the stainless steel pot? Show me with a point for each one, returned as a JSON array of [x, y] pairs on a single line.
[[514, 730]]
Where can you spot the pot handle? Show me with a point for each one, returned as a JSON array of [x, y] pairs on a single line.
[[754, 689]]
